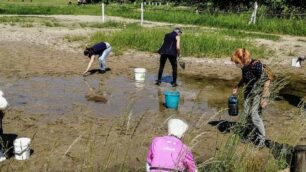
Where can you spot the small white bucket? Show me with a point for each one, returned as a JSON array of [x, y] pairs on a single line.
[[22, 148], [140, 74], [294, 63]]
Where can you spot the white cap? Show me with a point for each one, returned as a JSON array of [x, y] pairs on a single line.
[[3, 103], [1, 93], [177, 127]]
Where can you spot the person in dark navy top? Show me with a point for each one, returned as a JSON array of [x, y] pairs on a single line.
[[170, 49], [102, 50], [257, 78]]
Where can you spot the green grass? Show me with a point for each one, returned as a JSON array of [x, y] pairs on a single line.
[[13, 19], [25, 21], [243, 34], [197, 44], [51, 24], [165, 14], [49, 9], [109, 24], [73, 38]]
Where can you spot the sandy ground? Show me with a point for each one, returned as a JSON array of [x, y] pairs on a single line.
[[81, 141]]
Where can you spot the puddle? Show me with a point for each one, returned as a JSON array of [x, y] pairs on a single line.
[[58, 95]]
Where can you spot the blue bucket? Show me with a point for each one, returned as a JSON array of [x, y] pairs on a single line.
[[172, 99]]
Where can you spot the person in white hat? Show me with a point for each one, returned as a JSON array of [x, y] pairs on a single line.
[[3, 106], [169, 153]]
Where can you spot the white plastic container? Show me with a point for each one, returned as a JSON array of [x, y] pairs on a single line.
[[22, 148], [294, 63], [140, 74]]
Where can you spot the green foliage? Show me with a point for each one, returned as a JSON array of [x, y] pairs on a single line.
[[197, 44], [243, 34], [170, 14], [73, 38], [109, 24]]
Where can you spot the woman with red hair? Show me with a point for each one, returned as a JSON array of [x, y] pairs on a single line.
[[257, 78]]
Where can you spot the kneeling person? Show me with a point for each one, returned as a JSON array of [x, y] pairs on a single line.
[[169, 153]]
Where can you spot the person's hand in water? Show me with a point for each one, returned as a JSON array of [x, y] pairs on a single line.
[[85, 73]]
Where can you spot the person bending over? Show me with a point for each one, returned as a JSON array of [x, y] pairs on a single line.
[[101, 49]]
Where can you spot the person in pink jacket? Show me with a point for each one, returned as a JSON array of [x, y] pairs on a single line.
[[169, 153]]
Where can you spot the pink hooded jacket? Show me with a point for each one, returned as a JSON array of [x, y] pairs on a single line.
[[168, 152]]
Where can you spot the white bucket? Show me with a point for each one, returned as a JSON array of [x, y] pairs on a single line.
[[294, 63], [140, 74], [22, 148]]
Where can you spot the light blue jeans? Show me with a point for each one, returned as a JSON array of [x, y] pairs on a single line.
[[103, 57]]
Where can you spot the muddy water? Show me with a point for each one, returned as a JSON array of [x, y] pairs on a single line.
[[116, 96]]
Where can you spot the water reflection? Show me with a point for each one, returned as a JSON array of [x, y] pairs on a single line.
[[58, 95]]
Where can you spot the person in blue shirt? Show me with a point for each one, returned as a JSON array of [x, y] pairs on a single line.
[[102, 50]]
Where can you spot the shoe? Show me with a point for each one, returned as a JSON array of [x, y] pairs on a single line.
[[157, 83], [174, 84], [102, 71], [260, 143]]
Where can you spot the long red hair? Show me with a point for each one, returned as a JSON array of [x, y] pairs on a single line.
[[241, 56]]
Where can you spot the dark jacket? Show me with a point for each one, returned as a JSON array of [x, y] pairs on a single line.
[[99, 48], [169, 45], [251, 74]]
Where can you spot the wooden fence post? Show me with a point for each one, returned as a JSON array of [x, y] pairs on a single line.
[[299, 159]]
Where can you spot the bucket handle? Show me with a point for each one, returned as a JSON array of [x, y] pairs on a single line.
[[27, 148]]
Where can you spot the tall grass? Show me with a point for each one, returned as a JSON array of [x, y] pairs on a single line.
[[229, 21], [234, 157], [167, 14], [109, 24], [49, 9], [197, 44]]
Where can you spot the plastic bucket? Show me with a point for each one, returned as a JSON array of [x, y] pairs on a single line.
[[172, 99], [140, 74], [22, 148], [294, 63]]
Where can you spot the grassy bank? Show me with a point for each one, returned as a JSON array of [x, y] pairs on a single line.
[[199, 44], [165, 14]]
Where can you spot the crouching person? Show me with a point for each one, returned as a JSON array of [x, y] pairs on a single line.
[[169, 153], [3, 105]]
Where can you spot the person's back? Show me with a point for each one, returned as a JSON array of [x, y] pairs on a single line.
[[99, 48], [169, 44]]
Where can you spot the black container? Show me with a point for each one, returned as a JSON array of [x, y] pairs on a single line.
[[233, 106]]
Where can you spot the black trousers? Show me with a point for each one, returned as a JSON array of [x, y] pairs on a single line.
[[162, 62], [1, 118]]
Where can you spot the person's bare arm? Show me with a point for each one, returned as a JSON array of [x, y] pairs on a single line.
[[92, 58], [178, 45], [265, 94], [235, 89]]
